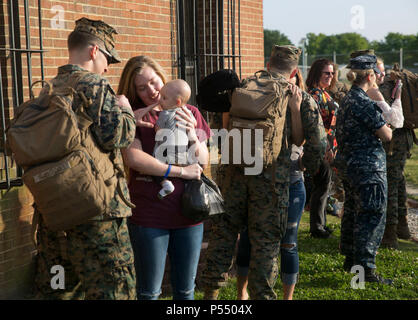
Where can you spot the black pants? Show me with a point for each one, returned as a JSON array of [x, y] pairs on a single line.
[[319, 196]]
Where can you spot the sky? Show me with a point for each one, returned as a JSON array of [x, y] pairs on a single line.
[[373, 19]]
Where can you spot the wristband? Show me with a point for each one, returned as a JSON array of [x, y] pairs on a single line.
[[168, 171]]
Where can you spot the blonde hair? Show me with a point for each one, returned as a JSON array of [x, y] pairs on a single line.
[[359, 76], [133, 67]]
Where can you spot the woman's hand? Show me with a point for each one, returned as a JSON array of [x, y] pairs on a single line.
[[188, 122], [142, 115], [192, 171], [329, 156], [295, 99], [398, 88], [375, 94]]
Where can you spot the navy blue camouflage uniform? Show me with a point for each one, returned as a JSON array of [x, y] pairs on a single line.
[[365, 161]]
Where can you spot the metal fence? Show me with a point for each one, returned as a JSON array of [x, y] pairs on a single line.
[[11, 65], [407, 59]]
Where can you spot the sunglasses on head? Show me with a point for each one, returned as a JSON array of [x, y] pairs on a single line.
[[328, 73], [107, 55]]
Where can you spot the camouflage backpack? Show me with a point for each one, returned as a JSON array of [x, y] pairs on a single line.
[[259, 104], [409, 95], [70, 178]]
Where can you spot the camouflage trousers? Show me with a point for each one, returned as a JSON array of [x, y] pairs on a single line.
[[363, 221], [96, 258], [250, 201], [396, 183]]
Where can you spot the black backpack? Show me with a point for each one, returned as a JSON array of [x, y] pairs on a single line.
[[215, 90]]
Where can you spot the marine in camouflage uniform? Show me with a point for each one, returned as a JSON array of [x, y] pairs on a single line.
[[397, 151], [365, 161], [260, 202], [97, 256]]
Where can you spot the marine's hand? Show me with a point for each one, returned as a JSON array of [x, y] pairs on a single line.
[[122, 101]]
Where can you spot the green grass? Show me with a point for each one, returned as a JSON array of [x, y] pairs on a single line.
[[322, 276], [321, 273]]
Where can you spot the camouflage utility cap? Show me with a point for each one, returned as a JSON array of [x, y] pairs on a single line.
[[286, 52], [362, 53], [103, 32], [364, 62]]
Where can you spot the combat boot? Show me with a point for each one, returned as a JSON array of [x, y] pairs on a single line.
[[370, 275], [390, 239], [403, 229], [348, 264], [211, 294]]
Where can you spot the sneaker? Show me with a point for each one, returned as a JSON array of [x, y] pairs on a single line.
[[167, 189], [372, 276]]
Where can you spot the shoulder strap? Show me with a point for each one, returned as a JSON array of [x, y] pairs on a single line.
[[409, 92]]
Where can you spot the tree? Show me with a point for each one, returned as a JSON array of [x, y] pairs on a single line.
[[343, 43], [272, 37], [388, 49]]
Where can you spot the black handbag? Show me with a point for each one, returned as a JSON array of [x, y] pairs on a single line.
[[201, 199]]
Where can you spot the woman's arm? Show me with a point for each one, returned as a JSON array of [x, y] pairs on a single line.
[[138, 160], [384, 133]]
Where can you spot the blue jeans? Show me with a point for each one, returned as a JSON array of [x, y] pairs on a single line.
[[151, 246], [289, 256]]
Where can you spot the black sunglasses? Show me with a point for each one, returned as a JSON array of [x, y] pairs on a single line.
[[328, 73], [107, 55]]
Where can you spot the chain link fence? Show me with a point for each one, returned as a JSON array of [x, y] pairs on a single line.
[[407, 59]]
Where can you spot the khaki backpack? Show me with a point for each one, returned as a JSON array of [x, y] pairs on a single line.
[[70, 178], [260, 103], [409, 95]]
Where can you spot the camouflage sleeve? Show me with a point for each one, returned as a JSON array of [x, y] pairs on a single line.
[[314, 133], [386, 90], [113, 126]]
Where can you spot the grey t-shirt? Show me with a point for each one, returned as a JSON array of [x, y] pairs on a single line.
[[171, 141], [295, 172]]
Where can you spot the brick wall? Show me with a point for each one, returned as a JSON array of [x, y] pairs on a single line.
[[144, 27]]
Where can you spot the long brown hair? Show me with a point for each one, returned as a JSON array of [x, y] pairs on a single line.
[[315, 72], [299, 80], [133, 67]]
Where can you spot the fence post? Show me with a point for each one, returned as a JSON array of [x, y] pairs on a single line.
[[401, 58]]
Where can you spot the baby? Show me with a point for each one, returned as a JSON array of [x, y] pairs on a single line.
[[171, 141]]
